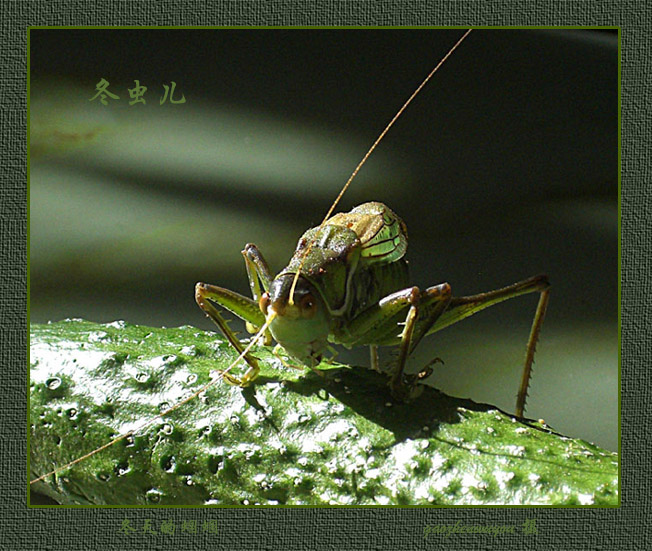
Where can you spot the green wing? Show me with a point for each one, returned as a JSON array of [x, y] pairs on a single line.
[[382, 233]]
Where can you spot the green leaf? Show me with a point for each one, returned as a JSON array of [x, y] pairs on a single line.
[[330, 437]]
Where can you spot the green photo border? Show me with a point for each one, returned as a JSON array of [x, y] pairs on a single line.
[[351, 528]]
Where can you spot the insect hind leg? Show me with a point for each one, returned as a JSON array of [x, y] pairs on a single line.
[[463, 307]]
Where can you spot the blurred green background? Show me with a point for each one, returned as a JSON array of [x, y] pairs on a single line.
[[504, 167]]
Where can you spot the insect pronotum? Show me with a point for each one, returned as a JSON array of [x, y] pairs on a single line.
[[346, 284]]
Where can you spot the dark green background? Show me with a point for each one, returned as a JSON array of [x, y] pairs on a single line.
[[626, 528]]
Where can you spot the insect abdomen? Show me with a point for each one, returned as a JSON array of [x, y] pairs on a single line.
[[382, 234]]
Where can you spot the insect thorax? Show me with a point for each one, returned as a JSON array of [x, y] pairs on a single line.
[[355, 259]]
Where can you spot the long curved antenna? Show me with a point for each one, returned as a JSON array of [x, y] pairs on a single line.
[[364, 159], [272, 315]]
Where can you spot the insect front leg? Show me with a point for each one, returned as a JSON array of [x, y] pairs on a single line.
[[245, 308], [259, 275], [207, 296], [425, 307]]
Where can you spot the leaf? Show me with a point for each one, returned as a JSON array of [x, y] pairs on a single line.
[[292, 438]]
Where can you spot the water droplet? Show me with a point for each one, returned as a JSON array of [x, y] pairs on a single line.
[[191, 378], [249, 454], [130, 441], [169, 464], [388, 404], [372, 473], [97, 336], [167, 428], [122, 469], [103, 476], [163, 406], [189, 350], [153, 495], [72, 413], [261, 479], [142, 377], [53, 383], [204, 431]]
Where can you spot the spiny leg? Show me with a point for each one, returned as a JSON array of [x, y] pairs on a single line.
[[243, 307], [463, 307], [400, 388], [537, 323]]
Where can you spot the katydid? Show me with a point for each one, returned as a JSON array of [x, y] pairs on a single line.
[[347, 284], [352, 288]]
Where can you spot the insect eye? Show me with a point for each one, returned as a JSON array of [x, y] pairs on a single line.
[[263, 303], [308, 305]]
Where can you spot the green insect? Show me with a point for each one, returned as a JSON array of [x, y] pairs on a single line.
[[348, 284], [352, 288]]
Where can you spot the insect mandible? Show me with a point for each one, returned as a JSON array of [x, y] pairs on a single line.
[[348, 284]]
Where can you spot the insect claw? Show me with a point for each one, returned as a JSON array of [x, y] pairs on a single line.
[[230, 379], [425, 373], [434, 361]]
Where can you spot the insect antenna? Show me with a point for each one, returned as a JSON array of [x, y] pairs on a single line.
[[162, 414], [364, 159], [272, 315]]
